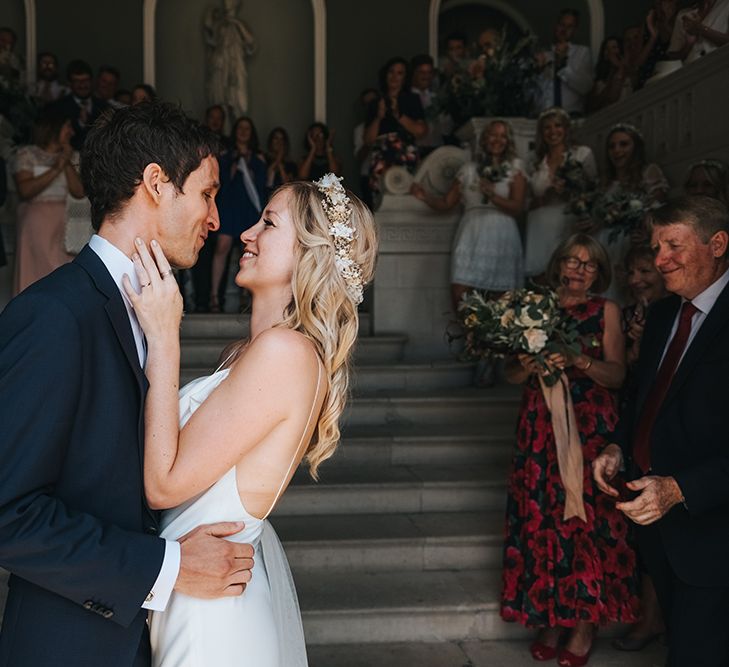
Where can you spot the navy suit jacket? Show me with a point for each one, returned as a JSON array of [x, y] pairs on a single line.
[[75, 530], [690, 440]]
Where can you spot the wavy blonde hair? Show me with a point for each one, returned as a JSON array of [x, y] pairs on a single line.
[[510, 150], [321, 307]]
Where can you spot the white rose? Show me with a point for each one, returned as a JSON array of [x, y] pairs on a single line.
[[536, 339], [635, 204], [526, 321]]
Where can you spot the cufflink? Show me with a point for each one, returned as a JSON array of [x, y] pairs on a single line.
[[149, 597]]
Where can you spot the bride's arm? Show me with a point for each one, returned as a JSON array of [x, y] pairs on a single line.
[[256, 398]]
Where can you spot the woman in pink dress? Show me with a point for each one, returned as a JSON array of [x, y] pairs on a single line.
[[45, 173]]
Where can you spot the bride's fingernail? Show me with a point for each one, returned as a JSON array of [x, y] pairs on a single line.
[[138, 241], [154, 243]]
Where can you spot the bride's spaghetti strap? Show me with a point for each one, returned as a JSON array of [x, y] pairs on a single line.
[[301, 441]]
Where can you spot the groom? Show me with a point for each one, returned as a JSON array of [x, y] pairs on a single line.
[[76, 533]]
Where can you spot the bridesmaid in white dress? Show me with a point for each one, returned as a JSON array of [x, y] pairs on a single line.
[[628, 170], [487, 252], [548, 224], [229, 447]]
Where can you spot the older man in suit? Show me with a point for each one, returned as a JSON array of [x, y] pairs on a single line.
[[674, 438]]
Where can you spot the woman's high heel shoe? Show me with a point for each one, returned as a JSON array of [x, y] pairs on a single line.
[[568, 659], [542, 652]]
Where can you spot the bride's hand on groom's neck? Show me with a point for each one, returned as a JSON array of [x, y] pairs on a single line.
[[158, 304]]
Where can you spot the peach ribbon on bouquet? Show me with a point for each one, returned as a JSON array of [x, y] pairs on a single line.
[[567, 440]]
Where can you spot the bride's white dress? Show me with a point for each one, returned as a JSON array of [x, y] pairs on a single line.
[[262, 627]]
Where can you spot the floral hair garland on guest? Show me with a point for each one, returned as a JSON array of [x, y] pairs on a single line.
[[337, 207], [625, 127]]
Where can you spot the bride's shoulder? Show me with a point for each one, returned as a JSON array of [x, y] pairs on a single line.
[[277, 349]]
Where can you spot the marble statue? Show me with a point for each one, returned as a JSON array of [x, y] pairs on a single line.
[[229, 42]]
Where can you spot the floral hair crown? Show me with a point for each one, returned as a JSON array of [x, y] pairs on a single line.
[[338, 209], [716, 164], [625, 127], [554, 111]]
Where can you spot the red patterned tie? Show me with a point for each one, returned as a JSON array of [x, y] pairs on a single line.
[[642, 437]]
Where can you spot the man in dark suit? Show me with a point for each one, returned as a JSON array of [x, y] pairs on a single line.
[[674, 438], [80, 106], [76, 532]]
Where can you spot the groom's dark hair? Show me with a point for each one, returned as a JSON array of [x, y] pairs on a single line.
[[123, 142]]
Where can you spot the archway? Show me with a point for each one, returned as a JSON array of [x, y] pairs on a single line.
[[320, 46], [30, 39]]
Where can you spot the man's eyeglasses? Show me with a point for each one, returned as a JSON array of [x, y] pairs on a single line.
[[575, 263]]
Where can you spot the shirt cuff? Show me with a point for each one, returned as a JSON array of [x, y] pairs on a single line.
[[159, 596]]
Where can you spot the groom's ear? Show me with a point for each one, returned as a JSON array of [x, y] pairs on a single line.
[[153, 181]]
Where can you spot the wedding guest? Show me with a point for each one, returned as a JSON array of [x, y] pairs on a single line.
[[143, 92], [368, 100], [646, 287], [673, 441], [45, 173], [47, 88], [547, 222], [659, 25], [422, 85], [710, 178], [627, 171], [280, 169], [565, 575], [489, 42], [633, 54], [107, 84], [566, 77], [455, 60], [397, 123], [11, 64], [399, 111], [699, 30], [80, 106], [612, 82], [240, 199], [320, 157], [123, 97], [487, 252]]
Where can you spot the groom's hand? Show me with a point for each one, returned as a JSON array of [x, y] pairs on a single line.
[[211, 567]]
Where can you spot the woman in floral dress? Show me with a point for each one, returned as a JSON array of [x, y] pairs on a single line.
[[569, 575]]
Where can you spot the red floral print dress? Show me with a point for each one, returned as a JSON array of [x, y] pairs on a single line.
[[558, 572]]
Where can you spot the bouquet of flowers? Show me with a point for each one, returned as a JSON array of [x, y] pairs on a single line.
[[520, 321], [621, 211], [506, 87], [495, 173], [391, 150], [580, 189]]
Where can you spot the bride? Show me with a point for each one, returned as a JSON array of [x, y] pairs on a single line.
[[226, 449]]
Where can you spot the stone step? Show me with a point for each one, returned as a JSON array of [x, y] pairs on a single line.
[[396, 490], [473, 653], [345, 608], [205, 352], [395, 444], [431, 375], [233, 327], [465, 405], [396, 542]]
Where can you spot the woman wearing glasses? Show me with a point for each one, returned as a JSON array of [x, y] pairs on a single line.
[[566, 577]]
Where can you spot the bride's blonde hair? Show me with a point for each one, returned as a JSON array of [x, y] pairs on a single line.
[[322, 308]]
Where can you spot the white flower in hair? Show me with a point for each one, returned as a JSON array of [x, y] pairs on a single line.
[[337, 207]]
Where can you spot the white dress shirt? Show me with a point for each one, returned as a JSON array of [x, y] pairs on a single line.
[[704, 302], [118, 264], [576, 76]]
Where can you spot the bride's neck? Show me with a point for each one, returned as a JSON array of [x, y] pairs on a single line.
[[267, 310]]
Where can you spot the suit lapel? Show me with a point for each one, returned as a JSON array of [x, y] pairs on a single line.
[[115, 309], [712, 325]]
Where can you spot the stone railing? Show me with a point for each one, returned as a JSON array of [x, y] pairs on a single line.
[[683, 117]]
